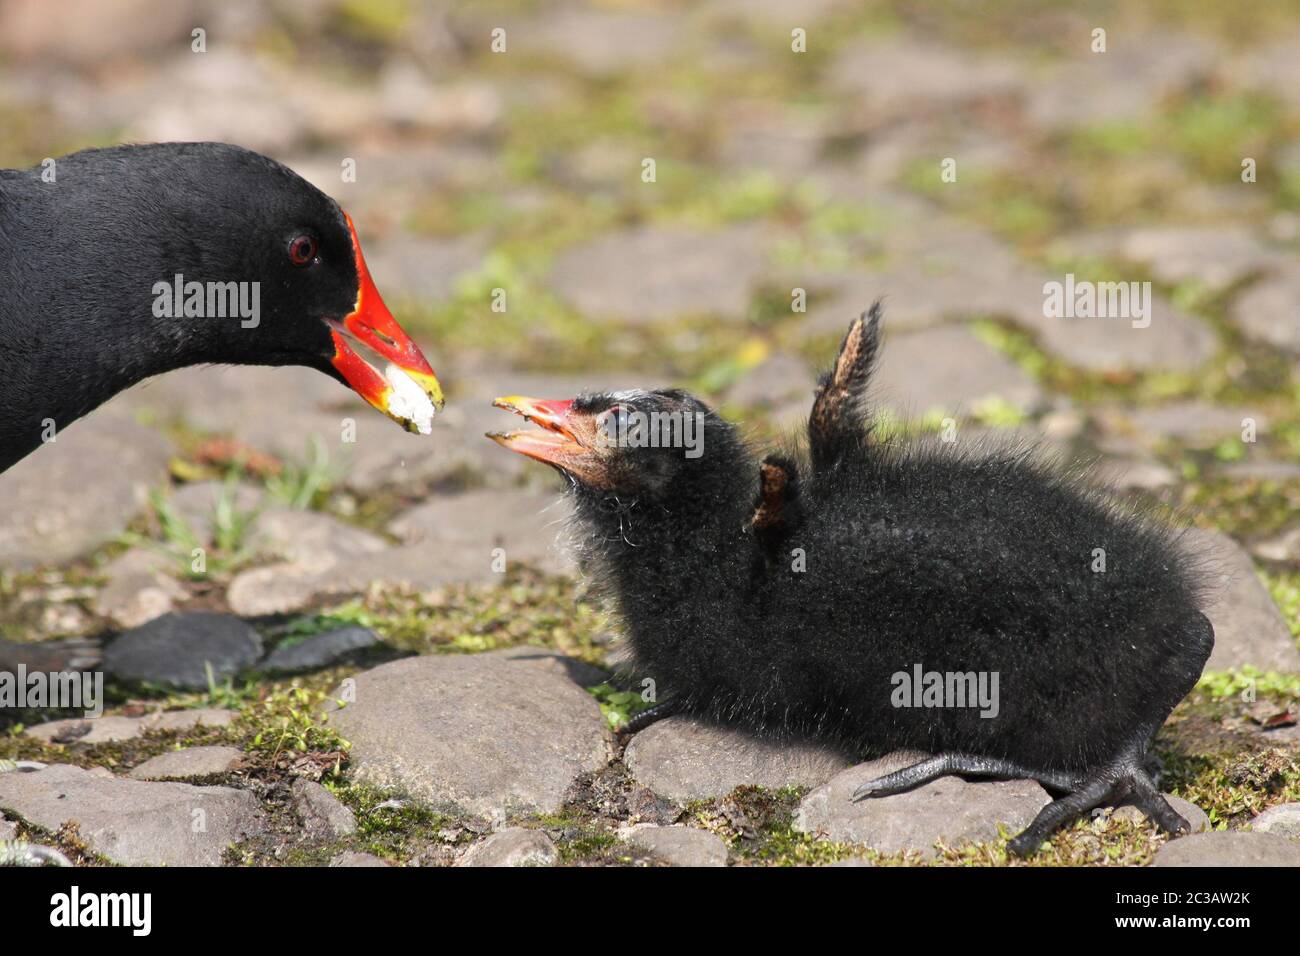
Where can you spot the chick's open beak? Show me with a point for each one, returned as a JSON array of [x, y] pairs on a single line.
[[406, 391], [567, 439]]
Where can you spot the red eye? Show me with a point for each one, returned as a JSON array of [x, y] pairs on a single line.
[[302, 251]]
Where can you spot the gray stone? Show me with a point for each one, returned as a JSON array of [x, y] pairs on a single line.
[[1248, 627], [1273, 67], [903, 76], [322, 555], [323, 816], [1281, 547], [177, 720], [776, 12], [680, 845], [422, 269], [53, 513], [215, 96], [1194, 815], [600, 43], [770, 135], [68, 655], [1135, 74], [647, 274], [353, 858], [1194, 423], [462, 531], [1133, 475], [8, 831], [935, 267], [684, 759], [1173, 340], [137, 588], [74, 654], [237, 400], [1213, 256], [407, 98], [102, 730], [1276, 471], [295, 414], [281, 588], [929, 279], [506, 730], [190, 762], [1283, 819], [311, 539], [177, 650], [319, 650], [948, 370], [1229, 848], [512, 846], [776, 381], [1270, 310], [132, 822], [93, 32], [197, 504], [949, 809]]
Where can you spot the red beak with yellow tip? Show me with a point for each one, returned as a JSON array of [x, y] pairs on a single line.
[[407, 391]]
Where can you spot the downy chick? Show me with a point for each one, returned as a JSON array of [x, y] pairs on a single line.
[[800, 592]]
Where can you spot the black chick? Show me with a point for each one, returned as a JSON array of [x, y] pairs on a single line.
[[789, 595], [118, 264]]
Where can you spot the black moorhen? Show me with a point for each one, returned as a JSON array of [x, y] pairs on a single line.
[[819, 593], [118, 264]]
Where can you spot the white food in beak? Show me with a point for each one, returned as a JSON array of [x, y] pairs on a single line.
[[408, 401]]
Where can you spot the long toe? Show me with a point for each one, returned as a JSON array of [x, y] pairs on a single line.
[[1025, 845], [1153, 803], [871, 788]]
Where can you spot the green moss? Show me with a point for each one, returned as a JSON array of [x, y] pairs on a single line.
[[1199, 127], [618, 706], [586, 845], [1243, 508], [1229, 684], [1234, 788], [374, 20], [290, 718], [527, 608], [1284, 587]]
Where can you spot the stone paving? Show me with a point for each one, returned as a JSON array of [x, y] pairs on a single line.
[[790, 190]]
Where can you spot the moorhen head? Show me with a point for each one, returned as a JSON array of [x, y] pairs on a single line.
[[965, 599], [122, 263], [633, 443]]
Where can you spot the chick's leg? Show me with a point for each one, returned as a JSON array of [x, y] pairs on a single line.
[[1153, 803], [652, 716], [955, 763], [1092, 793]]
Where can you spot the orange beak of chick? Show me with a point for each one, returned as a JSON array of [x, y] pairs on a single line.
[[566, 438]]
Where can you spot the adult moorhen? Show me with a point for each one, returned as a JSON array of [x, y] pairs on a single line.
[[873, 591], [118, 264]]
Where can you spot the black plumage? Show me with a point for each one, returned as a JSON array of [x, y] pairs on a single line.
[[789, 593], [85, 242]]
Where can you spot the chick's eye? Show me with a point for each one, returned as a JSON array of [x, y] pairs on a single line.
[[302, 250], [613, 422]]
